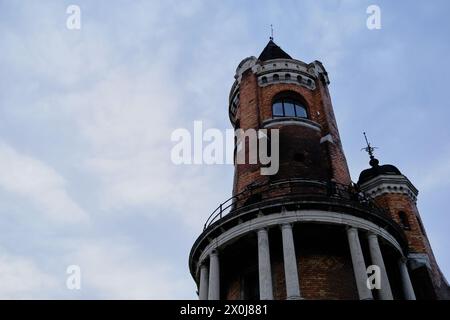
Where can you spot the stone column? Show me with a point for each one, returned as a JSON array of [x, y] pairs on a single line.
[[408, 290], [214, 276], [377, 259], [359, 266], [203, 288], [265, 272], [290, 263]]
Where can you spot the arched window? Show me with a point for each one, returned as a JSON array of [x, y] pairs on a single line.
[[276, 77], [287, 76], [264, 79], [288, 105], [404, 220]]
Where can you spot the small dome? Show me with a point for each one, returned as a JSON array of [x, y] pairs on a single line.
[[377, 170]]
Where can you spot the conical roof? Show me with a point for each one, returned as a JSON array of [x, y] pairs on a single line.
[[272, 51]]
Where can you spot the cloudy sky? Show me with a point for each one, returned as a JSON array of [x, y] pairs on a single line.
[[86, 117]]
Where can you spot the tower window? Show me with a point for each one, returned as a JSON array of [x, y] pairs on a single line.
[[286, 107], [287, 76], [299, 79], [276, 77], [277, 109], [289, 108], [404, 220], [264, 79]]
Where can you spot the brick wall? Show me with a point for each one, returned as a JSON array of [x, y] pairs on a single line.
[[417, 239], [326, 160], [324, 264], [399, 202]]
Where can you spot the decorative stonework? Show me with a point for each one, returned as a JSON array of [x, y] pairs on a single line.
[[327, 138], [285, 121], [276, 71], [286, 76], [245, 64], [299, 216], [286, 71], [383, 184], [417, 260]]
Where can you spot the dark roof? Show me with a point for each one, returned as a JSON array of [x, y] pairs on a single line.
[[272, 51], [377, 170]]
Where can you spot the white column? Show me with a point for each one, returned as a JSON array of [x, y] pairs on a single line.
[[203, 287], [265, 272], [214, 276], [359, 266], [408, 290], [377, 259], [290, 263]]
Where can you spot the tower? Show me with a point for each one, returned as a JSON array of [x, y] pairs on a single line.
[[393, 191], [306, 231]]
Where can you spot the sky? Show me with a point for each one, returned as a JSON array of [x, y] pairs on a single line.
[[86, 118]]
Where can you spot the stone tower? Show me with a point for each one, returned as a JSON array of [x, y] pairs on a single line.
[[308, 232]]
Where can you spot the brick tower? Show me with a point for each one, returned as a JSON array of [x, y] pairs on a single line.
[[308, 232]]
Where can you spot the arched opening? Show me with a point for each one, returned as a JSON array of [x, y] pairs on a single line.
[[289, 104], [404, 220]]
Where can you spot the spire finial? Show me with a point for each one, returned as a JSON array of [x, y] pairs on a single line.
[[369, 149], [271, 32]]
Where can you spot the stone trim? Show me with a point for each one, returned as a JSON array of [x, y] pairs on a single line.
[[383, 184], [327, 138], [285, 121], [417, 260], [298, 216], [306, 81]]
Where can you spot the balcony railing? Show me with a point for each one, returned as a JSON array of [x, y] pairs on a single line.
[[256, 194]]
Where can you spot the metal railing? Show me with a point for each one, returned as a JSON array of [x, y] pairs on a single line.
[[259, 193]]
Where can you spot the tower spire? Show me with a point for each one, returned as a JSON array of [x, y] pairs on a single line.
[[271, 32], [369, 149]]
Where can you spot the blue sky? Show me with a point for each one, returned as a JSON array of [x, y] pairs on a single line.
[[86, 118]]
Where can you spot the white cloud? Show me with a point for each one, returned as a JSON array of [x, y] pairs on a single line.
[[119, 271], [434, 176], [21, 278], [126, 120], [40, 184]]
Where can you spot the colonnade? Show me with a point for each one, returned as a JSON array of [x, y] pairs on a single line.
[[209, 288]]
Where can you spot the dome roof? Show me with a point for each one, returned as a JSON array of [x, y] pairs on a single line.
[[376, 170]]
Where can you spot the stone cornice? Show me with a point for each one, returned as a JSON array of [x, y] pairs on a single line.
[[384, 184], [292, 217], [284, 121]]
